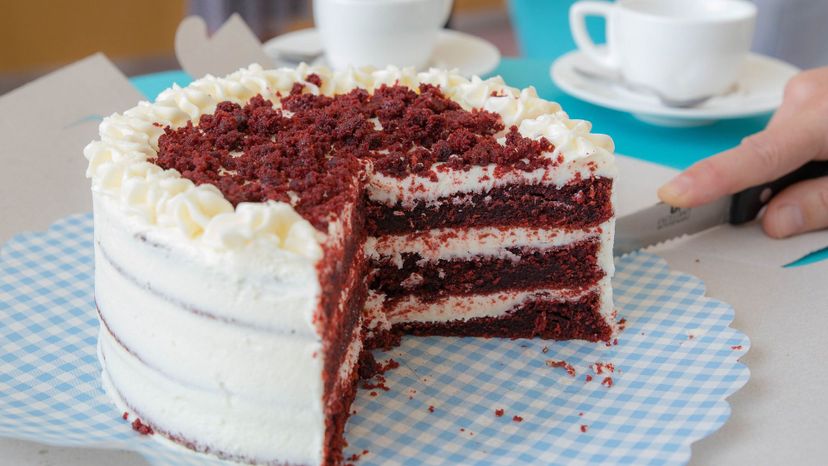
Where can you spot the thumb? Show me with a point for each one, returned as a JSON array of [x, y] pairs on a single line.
[[801, 208]]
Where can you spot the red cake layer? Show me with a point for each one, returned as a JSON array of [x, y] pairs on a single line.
[[578, 204], [337, 323], [551, 320], [573, 265]]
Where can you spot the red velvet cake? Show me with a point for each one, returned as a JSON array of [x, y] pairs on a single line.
[[255, 234]]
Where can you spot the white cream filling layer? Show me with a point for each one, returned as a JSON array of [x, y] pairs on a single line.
[[454, 243], [460, 308], [223, 422], [389, 190]]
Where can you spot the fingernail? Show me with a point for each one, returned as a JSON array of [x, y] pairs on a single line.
[[676, 189], [788, 220]]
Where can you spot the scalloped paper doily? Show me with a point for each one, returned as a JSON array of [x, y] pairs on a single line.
[[672, 369]]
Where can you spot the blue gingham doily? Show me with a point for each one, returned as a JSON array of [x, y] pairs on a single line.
[[674, 365]]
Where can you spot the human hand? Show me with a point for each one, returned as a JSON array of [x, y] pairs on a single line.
[[797, 134]]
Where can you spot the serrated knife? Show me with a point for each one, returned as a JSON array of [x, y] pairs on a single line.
[[662, 222]]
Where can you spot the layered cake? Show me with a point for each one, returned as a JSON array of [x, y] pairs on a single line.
[[256, 234]]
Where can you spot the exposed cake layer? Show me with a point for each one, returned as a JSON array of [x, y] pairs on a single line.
[[341, 279], [567, 266], [338, 400], [413, 308], [583, 318], [444, 181], [576, 205], [459, 243]]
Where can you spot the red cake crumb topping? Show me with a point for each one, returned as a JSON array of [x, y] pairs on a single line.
[[388, 365], [600, 367], [736, 348], [568, 367], [355, 457], [588, 378], [499, 412], [141, 428], [125, 416], [584, 427], [517, 418], [607, 382], [379, 384], [369, 367], [431, 409], [256, 152]]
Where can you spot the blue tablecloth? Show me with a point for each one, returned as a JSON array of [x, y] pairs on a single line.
[[674, 147]]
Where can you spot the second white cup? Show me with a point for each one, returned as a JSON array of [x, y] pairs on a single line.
[[682, 49], [379, 32]]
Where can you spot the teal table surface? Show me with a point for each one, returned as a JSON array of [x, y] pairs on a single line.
[[673, 147]]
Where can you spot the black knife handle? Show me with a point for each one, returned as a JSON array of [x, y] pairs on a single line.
[[745, 205]]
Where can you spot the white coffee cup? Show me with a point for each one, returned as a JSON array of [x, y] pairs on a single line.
[[683, 49], [379, 32]]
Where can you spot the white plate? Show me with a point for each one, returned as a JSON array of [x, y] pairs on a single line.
[[468, 54], [758, 90]]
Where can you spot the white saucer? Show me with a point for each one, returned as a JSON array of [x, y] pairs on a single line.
[[758, 90], [468, 54]]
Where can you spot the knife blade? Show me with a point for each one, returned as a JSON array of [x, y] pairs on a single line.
[[662, 222]]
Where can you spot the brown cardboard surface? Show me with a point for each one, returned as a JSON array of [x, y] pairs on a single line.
[[748, 245], [44, 126], [232, 47]]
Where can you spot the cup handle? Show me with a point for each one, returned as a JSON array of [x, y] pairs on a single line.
[[577, 24]]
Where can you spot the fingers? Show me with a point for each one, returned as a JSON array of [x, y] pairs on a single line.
[[801, 208], [761, 157]]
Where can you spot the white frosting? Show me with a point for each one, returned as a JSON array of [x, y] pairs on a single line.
[[214, 338], [120, 168], [222, 421], [259, 286]]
